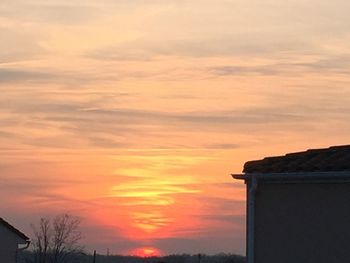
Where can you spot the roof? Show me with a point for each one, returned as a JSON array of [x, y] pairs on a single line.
[[336, 158], [13, 229]]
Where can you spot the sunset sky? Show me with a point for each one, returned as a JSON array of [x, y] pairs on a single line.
[[132, 114]]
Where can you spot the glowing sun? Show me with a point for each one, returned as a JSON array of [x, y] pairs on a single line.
[[146, 252]]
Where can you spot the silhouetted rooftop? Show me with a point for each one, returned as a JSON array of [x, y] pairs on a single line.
[[336, 158], [13, 229]]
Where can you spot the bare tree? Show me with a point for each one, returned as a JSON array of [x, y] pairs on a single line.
[[57, 240], [66, 238], [41, 240]]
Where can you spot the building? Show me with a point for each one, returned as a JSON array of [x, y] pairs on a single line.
[[11, 242], [298, 207]]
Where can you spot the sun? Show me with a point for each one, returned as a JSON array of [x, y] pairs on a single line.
[[146, 252]]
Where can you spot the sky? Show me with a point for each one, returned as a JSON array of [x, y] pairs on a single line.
[[132, 114]]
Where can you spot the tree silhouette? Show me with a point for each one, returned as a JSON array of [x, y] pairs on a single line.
[[56, 240]]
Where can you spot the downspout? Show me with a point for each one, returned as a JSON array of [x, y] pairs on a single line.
[[21, 249], [252, 186]]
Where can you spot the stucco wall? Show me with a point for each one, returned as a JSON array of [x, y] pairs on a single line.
[[304, 223], [8, 245]]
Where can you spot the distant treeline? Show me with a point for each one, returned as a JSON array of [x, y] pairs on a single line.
[[27, 257]]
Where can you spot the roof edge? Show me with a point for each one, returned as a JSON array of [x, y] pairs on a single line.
[[334, 158], [300, 175], [13, 229]]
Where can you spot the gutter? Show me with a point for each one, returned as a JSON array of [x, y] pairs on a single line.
[[21, 249], [285, 177], [25, 247]]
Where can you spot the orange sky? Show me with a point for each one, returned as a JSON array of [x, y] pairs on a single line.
[[132, 114]]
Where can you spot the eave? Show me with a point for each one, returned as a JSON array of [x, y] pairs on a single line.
[[338, 176]]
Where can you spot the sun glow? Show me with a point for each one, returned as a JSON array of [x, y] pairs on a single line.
[[149, 194], [146, 252]]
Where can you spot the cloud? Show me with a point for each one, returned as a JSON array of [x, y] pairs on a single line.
[[78, 125], [206, 29], [64, 78], [331, 64], [79, 113], [221, 146], [106, 90], [225, 46], [19, 45], [52, 12], [36, 192], [338, 64], [256, 116], [14, 75]]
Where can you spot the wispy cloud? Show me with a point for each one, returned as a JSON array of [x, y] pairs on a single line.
[[112, 109], [13, 75], [335, 64]]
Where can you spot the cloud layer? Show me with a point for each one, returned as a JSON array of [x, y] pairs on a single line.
[[132, 114]]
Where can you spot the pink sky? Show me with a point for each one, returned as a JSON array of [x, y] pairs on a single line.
[[133, 114]]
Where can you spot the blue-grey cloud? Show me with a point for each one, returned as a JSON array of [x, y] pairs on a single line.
[[220, 47], [14, 75], [82, 125], [328, 64]]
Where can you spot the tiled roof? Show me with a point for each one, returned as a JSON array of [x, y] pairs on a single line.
[[13, 229], [336, 158]]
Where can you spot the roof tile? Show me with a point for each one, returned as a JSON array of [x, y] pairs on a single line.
[[336, 158]]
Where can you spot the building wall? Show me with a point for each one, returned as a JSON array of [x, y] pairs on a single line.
[[8, 245], [304, 223]]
